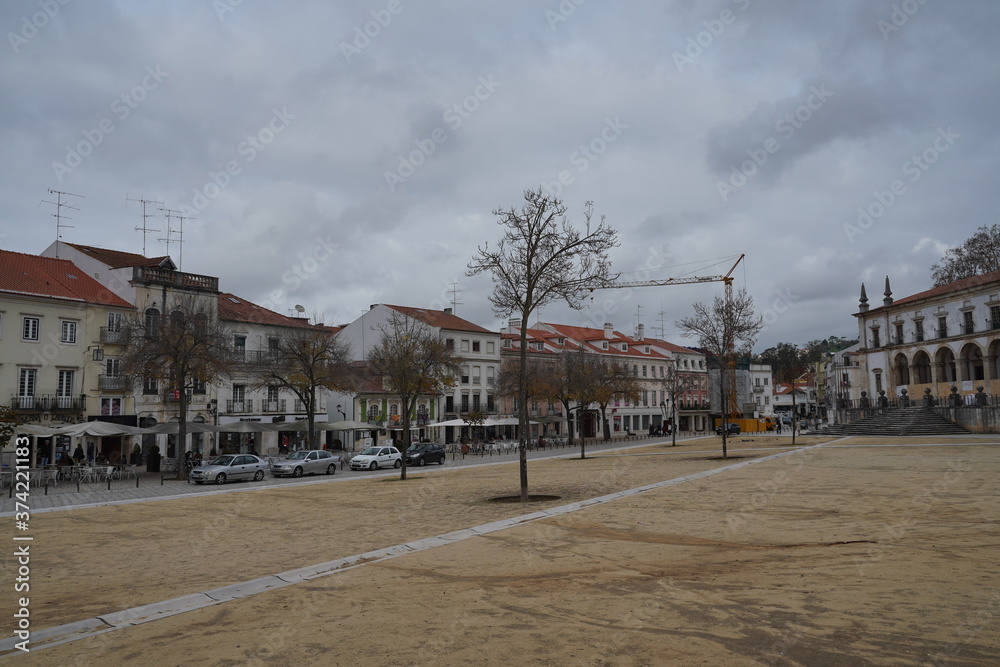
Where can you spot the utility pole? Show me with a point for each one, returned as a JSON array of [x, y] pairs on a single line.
[[454, 298], [58, 215], [145, 230]]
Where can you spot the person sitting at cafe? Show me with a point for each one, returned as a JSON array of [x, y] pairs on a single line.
[[78, 454], [101, 458]]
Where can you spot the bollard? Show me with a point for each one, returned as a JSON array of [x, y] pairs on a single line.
[[137, 481], [46, 487], [109, 482], [78, 485], [161, 480]]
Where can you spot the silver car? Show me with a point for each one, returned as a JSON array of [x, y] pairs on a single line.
[[229, 466], [306, 462], [374, 458]]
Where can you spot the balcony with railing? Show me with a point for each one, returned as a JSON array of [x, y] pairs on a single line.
[[239, 407], [160, 276], [48, 403], [111, 383], [277, 405], [112, 336], [245, 356], [968, 329]]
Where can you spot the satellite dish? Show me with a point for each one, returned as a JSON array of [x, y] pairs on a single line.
[[300, 308]]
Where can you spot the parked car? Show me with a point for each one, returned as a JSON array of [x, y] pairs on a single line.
[[306, 462], [731, 429], [229, 467], [374, 458], [422, 453]]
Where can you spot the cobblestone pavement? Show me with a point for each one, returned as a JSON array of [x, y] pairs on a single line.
[[153, 486]]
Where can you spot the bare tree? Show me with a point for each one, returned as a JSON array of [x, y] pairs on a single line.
[[978, 254], [183, 349], [613, 380], [675, 383], [787, 364], [727, 329], [412, 361], [541, 258], [304, 360]]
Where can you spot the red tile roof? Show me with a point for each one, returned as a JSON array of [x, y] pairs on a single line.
[[233, 308], [957, 286], [439, 319], [117, 259], [31, 275]]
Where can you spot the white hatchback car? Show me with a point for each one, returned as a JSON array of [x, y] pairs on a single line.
[[374, 458]]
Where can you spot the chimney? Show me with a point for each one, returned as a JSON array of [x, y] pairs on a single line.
[[640, 333], [609, 330], [447, 311], [513, 326]]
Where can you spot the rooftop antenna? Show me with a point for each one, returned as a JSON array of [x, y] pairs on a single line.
[[299, 309], [60, 205], [663, 326], [172, 213], [454, 298], [638, 318], [145, 230]]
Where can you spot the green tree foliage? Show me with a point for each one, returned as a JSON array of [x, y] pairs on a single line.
[[978, 254]]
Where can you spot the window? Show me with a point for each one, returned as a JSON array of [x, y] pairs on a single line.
[[272, 394], [767, 400], [490, 380], [112, 367], [465, 402], [476, 402], [26, 382], [766, 380], [635, 370], [942, 327], [111, 406], [465, 345], [465, 375], [919, 334], [489, 403], [967, 324], [644, 371], [150, 385], [239, 393], [475, 374], [506, 343], [152, 322], [645, 398], [899, 334], [67, 332], [491, 348], [875, 339], [30, 329], [450, 343], [995, 317], [64, 390], [475, 346], [373, 413]]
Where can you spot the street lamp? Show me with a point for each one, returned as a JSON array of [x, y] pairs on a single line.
[[342, 413]]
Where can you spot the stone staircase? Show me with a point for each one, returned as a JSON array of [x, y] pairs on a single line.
[[911, 421]]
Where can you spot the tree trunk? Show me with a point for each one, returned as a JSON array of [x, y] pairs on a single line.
[[522, 417], [725, 414], [795, 415]]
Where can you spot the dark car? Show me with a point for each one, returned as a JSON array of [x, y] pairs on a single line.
[[731, 429], [422, 453]]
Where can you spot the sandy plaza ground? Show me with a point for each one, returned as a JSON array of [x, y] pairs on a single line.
[[834, 552]]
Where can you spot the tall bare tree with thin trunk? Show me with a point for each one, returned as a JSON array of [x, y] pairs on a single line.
[[727, 329], [184, 348], [542, 257], [413, 361], [304, 360]]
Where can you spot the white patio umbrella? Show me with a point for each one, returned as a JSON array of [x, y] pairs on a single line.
[[351, 425]]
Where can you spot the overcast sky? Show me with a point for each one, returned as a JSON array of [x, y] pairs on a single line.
[[340, 154]]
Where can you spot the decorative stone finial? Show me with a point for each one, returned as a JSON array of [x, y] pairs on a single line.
[[887, 301], [863, 305]]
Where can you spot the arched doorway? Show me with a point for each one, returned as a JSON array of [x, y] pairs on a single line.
[[972, 364], [921, 368], [902, 365], [945, 360]]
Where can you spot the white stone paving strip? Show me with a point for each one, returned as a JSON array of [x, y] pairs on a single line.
[[157, 610]]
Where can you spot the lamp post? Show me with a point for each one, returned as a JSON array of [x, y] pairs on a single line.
[[342, 413]]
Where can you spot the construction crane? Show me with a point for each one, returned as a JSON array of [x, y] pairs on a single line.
[[732, 407]]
